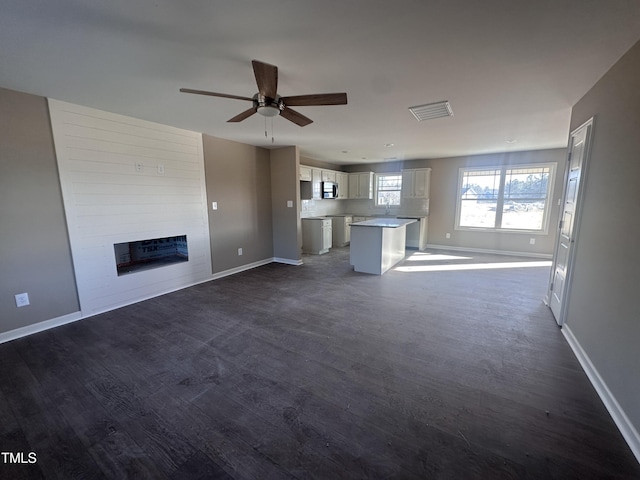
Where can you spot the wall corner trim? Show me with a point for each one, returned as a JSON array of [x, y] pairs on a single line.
[[39, 327], [621, 420]]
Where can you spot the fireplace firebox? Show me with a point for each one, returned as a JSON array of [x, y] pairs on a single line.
[[151, 253]]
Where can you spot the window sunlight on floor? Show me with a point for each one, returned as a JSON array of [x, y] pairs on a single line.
[[433, 257], [427, 258]]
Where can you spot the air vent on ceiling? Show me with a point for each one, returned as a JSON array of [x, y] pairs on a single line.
[[432, 110]]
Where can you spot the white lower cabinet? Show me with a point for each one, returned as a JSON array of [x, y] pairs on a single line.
[[316, 235], [341, 230]]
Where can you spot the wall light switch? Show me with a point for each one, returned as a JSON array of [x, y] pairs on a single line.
[[214, 205], [22, 299], [289, 203], [240, 251]]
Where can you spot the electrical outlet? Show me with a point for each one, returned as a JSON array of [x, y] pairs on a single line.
[[160, 169], [290, 203], [532, 241], [138, 166], [448, 235], [240, 251], [22, 299]]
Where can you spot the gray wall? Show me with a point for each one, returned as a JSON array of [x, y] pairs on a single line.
[[443, 192], [443, 196], [35, 255], [238, 177], [603, 310], [285, 186]]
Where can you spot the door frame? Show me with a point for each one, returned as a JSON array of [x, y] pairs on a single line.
[[589, 125]]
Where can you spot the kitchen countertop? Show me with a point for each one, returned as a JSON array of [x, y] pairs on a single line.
[[385, 222]]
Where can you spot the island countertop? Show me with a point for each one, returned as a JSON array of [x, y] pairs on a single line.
[[385, 222]]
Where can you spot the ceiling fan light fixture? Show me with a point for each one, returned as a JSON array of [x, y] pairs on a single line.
[[430, 111], [268, 111]]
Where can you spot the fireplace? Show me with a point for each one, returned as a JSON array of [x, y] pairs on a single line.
[[151, 253]]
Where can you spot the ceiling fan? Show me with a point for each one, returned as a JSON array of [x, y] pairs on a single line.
[[268, 103]]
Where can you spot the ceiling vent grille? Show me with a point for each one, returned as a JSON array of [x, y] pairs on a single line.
[[432, 110]]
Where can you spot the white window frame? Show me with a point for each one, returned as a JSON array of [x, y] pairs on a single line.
[[500, 200], [377, 182]]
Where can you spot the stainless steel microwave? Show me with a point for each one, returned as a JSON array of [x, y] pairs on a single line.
[[329, 190]]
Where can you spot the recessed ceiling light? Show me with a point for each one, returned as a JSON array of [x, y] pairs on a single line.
[[345, 151], [511, 140], [388, 144]]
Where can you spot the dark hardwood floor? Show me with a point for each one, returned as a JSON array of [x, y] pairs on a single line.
[[315, 371]]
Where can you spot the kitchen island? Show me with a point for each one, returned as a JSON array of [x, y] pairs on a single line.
[[378, 244]]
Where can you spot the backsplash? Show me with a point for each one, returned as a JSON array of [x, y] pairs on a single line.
[[320, 208]]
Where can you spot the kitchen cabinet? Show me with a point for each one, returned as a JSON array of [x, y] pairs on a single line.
[[341, 230], [415, 183], [316, 183], [316, 235], [417, 233], [328, 176], [361, 185], [305, 173], [342, 179]]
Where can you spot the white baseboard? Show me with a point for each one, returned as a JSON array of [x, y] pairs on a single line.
[[241, 268], [621, 420], [486, 250], [288, 261], [39, 327]]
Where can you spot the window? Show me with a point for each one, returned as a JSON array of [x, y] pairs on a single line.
[[505, 198], [388, 189]]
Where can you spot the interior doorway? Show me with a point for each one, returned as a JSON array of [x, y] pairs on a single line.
[[579, 146]]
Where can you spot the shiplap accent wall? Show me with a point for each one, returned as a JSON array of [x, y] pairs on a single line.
[[123, 180]]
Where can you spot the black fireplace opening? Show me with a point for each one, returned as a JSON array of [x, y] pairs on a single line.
[[151, 253]]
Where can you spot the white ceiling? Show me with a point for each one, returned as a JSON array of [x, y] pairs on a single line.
[[511, 69]]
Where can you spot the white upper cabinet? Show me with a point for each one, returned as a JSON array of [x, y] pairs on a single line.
[[342, 179], [305, 173], [415, 183], [361, 185], [316, 175], [328, 176]]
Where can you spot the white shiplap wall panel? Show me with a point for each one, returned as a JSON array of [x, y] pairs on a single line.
[[114, 192]]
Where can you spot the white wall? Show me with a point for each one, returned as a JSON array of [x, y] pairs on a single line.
[[108, 200]]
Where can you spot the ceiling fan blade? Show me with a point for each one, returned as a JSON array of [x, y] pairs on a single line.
[[316, 99], [243, 115], [266, 78], [214, 94], [295, 117]]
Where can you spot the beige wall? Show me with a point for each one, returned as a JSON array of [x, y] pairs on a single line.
[[238, 178], [35, 256], [442, 203], [285, 187], [603, 311], [443, 195]]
